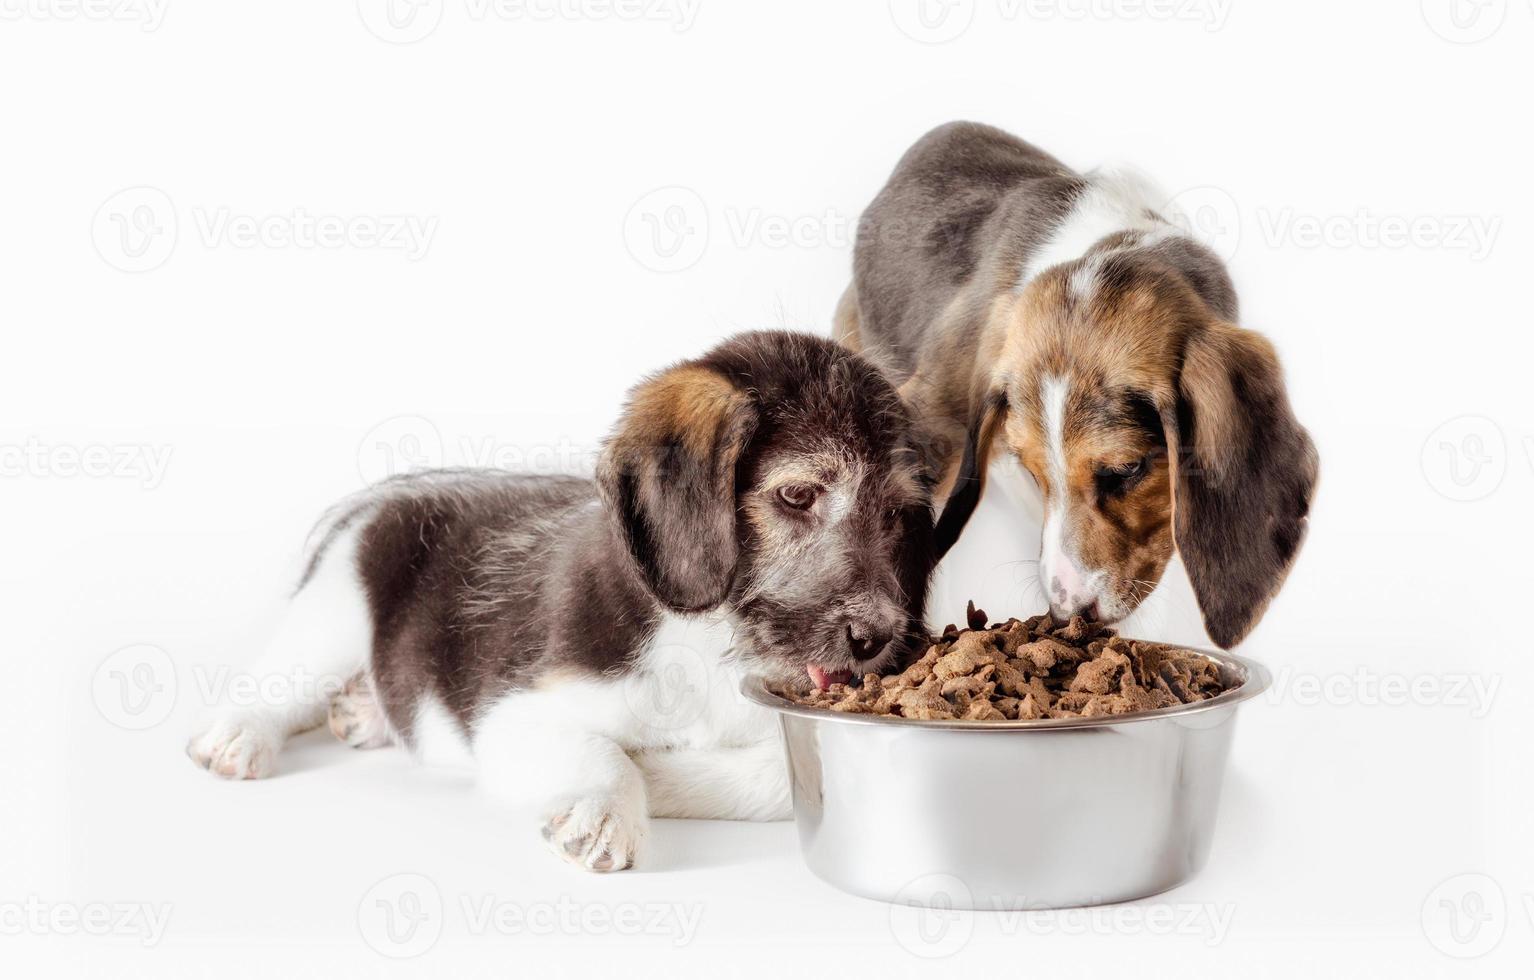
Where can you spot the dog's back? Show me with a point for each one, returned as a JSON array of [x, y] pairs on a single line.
[[967, 202]]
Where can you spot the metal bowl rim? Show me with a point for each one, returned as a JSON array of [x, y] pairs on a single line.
[[1257, 680]]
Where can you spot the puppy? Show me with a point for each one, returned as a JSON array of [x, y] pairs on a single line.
[[757, 511], [1062, 316]]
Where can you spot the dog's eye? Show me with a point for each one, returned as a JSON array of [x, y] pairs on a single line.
[[1113, 480], [799, 496]]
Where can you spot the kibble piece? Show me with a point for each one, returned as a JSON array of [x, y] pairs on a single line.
[[1100, 675], [969, 653], [1027, 670]]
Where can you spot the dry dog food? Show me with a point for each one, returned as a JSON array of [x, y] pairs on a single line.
[[1023, 670]]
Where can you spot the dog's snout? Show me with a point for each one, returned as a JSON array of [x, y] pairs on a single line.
[[867, 641]]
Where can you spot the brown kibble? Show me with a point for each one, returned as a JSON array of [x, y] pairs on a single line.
[[1027, 670], [983, 711], [975, 617], [1046, 652], [969, 653], [1100, 675]]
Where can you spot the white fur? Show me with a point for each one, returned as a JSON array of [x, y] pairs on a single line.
[[1068, 585], [437, 737], [1114, 201], [567, 747]]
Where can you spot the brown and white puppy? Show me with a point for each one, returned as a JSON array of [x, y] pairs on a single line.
[[757, 511], [1063, 318]]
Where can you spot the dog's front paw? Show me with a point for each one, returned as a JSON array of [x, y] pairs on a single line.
[[236, 749], [597, 834]]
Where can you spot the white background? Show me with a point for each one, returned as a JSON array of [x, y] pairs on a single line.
[[1367, 793]]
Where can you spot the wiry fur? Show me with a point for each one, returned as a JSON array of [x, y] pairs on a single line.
[[583, 642]]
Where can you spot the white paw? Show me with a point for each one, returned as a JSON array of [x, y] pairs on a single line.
[[597, 834], [236, 749], [356, 717]]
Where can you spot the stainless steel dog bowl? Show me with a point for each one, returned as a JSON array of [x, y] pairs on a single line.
[[1011, 815]]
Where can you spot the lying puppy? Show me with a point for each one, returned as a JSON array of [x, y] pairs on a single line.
[[1015, 298], [757, 511]]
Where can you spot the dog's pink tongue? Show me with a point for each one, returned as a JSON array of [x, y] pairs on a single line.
[[825, 678]]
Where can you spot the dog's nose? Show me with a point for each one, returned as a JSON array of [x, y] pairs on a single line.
[[866, 641]]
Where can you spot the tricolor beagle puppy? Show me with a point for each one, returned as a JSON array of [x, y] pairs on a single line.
[[1061, 317], [757, 511]]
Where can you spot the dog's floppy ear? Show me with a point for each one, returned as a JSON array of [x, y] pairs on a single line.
[[667, 478], [1243, 472], [984, 424]]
